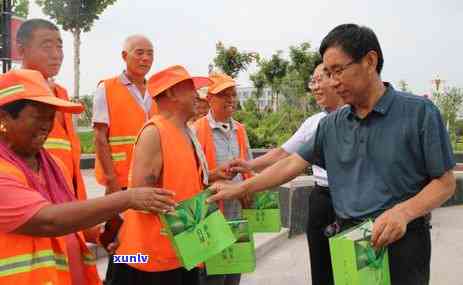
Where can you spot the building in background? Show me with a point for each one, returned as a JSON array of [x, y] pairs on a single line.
[[263, 102]]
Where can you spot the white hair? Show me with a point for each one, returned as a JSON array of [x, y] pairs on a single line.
[[128, 42]]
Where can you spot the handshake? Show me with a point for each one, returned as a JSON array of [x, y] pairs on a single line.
[[230, 169]]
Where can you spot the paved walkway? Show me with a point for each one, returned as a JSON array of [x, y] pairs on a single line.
[[289, 262]]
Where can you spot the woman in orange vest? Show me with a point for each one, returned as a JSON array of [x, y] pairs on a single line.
[[223, 139], [41, 222]]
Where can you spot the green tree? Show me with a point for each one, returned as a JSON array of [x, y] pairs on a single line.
[[274, 70], [76, 16], [85, 118], [20, 8], [449, 103], [231, 61], [258, 81], [403, 86], [303, 60]]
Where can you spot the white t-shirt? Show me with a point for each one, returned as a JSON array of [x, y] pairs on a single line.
[[302, 136], [100, 105]]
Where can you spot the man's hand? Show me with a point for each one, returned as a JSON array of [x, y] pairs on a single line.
[[389, 227], [112, 186], [240, 166], [226, 191], [112, 246], [223, 172], [149, 199]]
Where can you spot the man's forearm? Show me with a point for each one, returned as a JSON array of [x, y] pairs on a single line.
[[268, 159], [103, 152], [62, 219], [433, 195], [281, 172]]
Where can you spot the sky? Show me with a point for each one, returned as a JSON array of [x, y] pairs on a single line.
[[420, 39]]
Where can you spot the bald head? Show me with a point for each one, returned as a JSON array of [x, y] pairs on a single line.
[[131, 41], [138, 55]]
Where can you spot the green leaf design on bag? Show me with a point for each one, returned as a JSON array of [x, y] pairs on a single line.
[[240, 229], [266, 200], [189, 213]]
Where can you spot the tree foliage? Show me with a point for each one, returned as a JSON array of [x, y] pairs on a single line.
[[403, 86], [449, 103], [85, 118], [20, 8], [287, 77], [303, 60], [74, 15], [231, 61]]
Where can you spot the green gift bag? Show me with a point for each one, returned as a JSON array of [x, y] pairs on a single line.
[[264, 214], [355, 261], [238, 258], [197, 230]]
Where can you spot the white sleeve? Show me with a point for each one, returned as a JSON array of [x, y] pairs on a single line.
[[302, 135], [100, 106]]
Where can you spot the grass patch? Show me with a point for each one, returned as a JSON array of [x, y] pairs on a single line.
[[86, 142]]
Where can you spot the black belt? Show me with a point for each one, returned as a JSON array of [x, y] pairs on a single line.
[[418, 222], [342, 224], [321, 187]]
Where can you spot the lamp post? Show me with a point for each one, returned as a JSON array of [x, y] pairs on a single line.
[[5, 54]]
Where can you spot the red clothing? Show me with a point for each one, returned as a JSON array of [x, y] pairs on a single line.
[[20, 203]]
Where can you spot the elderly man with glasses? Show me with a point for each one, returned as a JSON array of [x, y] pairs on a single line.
[[321, 213]]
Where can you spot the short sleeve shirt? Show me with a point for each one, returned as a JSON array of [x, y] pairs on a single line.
[[100, 105], [18, 204], [301, 137], [226, 149], [383, 159]]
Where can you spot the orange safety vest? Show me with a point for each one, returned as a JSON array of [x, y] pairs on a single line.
[[206, 139], [26, 260], [141, 231], [64, 143], [126, 119]]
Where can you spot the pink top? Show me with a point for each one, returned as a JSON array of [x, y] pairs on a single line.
[[18, 204]]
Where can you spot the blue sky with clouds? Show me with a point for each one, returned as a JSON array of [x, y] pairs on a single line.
[[420, 39]]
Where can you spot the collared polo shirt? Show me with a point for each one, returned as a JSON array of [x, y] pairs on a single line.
[[100, 105], [383, 159]]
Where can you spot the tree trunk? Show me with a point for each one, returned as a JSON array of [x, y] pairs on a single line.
[[76, 34], [275, 102]]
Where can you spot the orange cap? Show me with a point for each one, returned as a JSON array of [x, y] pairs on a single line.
[[220, 82], [171, 76], [30, 84]]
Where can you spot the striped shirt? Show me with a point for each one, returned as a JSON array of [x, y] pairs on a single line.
[[226, 149]]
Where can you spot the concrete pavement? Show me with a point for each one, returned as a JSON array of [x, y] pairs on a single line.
[[286, 261]]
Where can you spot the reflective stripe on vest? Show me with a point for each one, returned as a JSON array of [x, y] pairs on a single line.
[[130, 140], [54, 143], [89, 258], [28, 262], [118, 156]]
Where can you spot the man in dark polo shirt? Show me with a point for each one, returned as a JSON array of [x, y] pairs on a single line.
[[388, 151]]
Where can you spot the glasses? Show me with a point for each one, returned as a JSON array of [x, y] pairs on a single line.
[[316, 81], [339, 71]]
